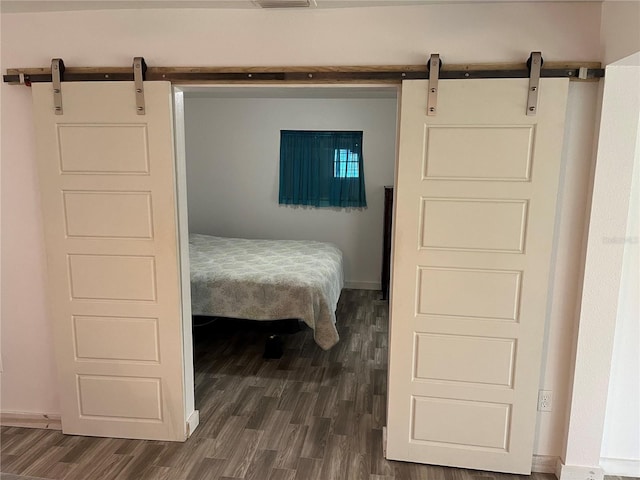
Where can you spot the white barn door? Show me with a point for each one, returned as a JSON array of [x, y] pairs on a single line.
[[474, 220], [107, 181]]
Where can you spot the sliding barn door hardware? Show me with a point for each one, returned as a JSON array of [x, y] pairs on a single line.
[[139, 74], [534, 64], [386, 74], [24, 80], [433, 67], [57, 75]]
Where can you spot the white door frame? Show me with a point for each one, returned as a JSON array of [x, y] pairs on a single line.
[[192, 415]]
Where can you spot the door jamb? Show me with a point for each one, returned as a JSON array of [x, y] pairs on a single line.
[[188, 390]]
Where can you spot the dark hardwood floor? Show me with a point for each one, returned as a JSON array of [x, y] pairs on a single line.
[[309, 415]]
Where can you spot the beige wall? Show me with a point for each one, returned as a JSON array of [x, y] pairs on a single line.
[[620, 29], [392, 35]]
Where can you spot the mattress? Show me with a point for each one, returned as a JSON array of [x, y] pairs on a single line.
[[267, 280]]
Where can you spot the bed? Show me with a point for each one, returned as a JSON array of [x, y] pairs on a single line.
[[267, 280]]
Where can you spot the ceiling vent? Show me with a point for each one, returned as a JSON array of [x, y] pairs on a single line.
[[284, 3]]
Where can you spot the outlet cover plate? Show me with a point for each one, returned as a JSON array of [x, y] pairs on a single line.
[[545, 401]]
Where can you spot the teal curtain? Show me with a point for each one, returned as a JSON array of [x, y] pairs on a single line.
[[321, 169]]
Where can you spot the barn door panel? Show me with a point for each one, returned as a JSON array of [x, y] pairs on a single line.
[[107, 181], [475, 211]]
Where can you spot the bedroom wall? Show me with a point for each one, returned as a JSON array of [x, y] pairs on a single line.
[[470, 32], [233, 155]]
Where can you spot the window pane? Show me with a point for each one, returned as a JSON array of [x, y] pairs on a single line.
[[345, 164]]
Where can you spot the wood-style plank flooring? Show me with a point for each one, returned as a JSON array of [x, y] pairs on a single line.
[[309, 415]]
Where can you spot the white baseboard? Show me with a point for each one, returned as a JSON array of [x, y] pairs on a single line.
[[363, 285], [31, 420], [620, 467], [578, 472], [192, 422], [544, 464]]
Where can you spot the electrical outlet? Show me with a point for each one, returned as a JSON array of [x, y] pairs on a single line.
[[545, 400]]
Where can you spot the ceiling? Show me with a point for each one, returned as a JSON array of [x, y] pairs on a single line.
[[25, 6]]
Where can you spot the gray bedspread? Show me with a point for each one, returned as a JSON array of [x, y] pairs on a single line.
[[267, 280]]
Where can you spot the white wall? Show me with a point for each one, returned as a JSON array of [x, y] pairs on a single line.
[[621, 437], [393, 35], [567, 263], [620, 30], [29, 373], [233, 157], [617, 149]]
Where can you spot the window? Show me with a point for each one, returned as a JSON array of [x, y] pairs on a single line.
[[321, 169], [345, 164]]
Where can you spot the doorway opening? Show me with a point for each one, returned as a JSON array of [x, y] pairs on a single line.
[[309, 401]]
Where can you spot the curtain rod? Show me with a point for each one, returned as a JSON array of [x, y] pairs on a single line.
[[584, 71]]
